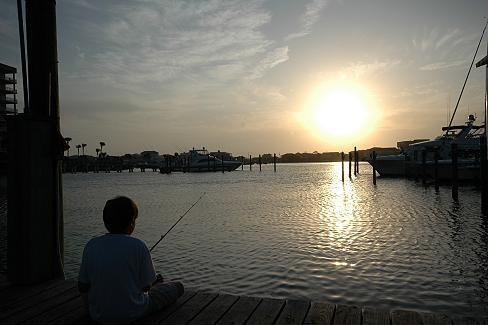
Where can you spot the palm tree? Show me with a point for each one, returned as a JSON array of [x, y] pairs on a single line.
[[83, 145], [101, 146], [98, 152], [78, 146], [67, 141]]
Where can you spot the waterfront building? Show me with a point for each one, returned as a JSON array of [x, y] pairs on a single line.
[[8, 106]]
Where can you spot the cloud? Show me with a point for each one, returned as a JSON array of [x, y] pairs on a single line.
[[442, 65], [360, 69], [309, 18], [145, 45]]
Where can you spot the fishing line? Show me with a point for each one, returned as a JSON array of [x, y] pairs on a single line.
[[184, 214]]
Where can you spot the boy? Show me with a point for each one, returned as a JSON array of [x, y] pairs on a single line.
[[117, 277]]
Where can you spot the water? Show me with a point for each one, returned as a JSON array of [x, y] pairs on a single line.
[[301, 234]]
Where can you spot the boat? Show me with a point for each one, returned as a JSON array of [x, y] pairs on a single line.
[[466, 137], [200, 160]]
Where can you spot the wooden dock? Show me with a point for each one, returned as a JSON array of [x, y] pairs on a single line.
[[58, 302]]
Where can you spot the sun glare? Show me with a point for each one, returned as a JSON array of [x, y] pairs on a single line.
[[339, 111]]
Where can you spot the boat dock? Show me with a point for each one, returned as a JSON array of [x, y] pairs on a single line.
[[58, 302]]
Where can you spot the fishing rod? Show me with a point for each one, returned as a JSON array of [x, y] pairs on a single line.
[[184, 214]]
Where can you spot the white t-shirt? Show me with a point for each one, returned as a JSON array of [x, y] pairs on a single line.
[[117, 267]]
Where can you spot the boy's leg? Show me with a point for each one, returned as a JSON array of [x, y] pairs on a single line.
[[164, 294]]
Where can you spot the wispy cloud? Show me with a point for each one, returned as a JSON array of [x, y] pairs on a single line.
[[145, 46], [309, 18], [360, 69], [442, 65]]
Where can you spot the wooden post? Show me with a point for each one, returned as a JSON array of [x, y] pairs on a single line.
[[242, 163], [454, 171], [342, 165], [350, 163], [35, 238], [424, 163], [374, 167], [250, 162], [355, 160], [484, 176], [436, 168], [259, 162], [274, 162]]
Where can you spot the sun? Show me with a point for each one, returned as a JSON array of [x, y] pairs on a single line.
[[339, 111]]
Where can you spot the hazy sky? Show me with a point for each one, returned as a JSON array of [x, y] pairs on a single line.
[[248, 76]]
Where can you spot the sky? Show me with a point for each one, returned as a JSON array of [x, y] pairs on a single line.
[[260, 76]]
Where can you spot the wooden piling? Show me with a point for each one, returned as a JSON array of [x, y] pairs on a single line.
[[342, 165], [374, 167], [274, 162], [424, 163], [250, 162], [436, 168], [242, 163], [454, 171], [355, 160], [484, 176], [350, 163], [259, 162]]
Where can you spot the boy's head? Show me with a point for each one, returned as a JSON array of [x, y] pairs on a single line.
[[119, 215]]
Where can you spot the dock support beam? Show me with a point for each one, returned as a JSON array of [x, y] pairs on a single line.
[[374, 167], [35, 211], [454, 171]]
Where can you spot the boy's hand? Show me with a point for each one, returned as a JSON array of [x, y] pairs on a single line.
[[159, 279]]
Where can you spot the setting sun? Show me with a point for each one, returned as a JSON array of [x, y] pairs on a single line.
[[339, 110]]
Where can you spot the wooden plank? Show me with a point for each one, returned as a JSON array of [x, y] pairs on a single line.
[[59, 311], [77, 315], [34, 301], [465, 321], [190, 309], [347, 315], [217, 308], [320, 313], [405, 317], [373, 316], [240, 311], [267, 312], [435, 319], [157, 317], [294, 312], [14, 294], [42, 307]]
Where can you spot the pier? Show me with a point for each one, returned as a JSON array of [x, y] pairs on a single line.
[[58, 302]]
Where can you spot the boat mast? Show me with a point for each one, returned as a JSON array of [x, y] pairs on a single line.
[[466, 80]]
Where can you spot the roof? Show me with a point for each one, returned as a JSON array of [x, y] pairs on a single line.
[[7, 69]]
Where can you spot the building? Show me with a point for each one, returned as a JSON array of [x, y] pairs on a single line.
[[8, 105]]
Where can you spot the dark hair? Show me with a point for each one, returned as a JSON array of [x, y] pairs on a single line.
[[119, 213]]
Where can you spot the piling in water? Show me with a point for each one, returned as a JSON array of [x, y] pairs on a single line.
[[274, 162], [259, 162], [342, 165], [242, 163], [454, 171], [484, 176], [350, 163], [250, 162], [436, 168], [424, 163], [355, 160], [374, 167]]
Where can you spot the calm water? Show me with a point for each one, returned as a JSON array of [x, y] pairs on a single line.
[[300, 233]]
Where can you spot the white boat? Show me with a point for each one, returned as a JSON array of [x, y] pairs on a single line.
[[467, 138], [200, 160]]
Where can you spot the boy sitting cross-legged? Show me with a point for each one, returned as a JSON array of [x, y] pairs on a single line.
[[117, 277]]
